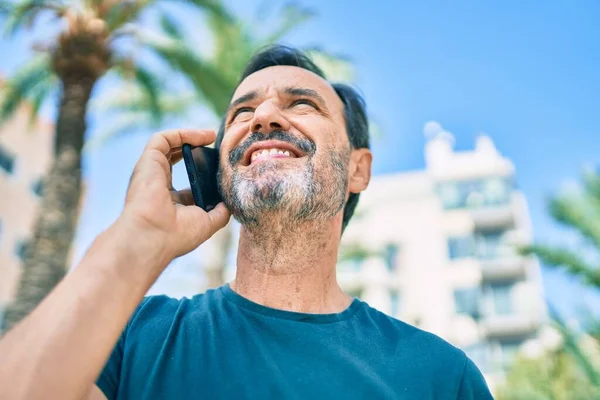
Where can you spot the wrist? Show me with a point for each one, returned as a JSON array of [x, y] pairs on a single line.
[[140, 254]]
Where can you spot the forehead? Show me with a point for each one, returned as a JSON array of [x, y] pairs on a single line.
[[281, 76]]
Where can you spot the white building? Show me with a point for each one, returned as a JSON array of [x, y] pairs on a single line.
[[25, 156], [436, 248]]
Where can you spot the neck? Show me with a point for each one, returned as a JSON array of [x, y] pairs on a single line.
[[291, 267]]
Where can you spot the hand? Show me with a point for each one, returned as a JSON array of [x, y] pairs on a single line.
[[168, 219]]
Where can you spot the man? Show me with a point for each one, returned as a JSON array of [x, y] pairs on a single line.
[[294, 158]]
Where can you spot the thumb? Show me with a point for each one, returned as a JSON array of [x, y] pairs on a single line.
[[219, 217], [198, 225]]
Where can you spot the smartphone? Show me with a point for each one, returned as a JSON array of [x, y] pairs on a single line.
[[202, 164]]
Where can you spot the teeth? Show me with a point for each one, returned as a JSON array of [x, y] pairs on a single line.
[[268, 152]]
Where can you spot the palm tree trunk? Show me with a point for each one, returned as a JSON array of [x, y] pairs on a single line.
[[46, 256]]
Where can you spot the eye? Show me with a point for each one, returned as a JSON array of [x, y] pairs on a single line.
[[240, 112], [305, 102]]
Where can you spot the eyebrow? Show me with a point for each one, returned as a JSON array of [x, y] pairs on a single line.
[[290, 90], [298, 91], [242, 99]]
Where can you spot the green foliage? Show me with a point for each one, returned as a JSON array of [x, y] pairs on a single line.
[[573, 371], [24, 12], [579, 211], [555, 375], [34, 81], [569, 372]]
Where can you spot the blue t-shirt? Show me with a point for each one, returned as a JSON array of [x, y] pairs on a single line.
[[220, 345]]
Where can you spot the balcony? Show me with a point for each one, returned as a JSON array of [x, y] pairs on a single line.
[[503, 268], [511, 325], [492, 217]]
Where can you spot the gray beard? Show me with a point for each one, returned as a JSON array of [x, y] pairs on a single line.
[[291, 197]]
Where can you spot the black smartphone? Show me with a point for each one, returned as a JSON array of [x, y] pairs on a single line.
[[202, 164]]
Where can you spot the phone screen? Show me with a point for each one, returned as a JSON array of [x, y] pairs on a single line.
[[202, 164]]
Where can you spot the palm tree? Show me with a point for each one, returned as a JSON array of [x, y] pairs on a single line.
[[235, 42], [579, 211], [90, 45], [571, 371]]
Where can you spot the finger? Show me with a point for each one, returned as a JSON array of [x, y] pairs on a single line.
[[219, 216], [184, 197], [174, 139], [176, 156]]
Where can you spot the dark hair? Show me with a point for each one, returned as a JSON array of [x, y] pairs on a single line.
[[357, 124]]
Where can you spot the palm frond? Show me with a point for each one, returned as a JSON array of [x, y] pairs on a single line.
[[122, 12], [151, 88], [129, 110], [591, 182], [120, 126], [206, 79], [291, 17], [567, 259], [38, 95], [214, 7], [5, 7], [125, 100], [20, 86], [149, 85], [336, 67], [572, 346], [170, 27], [577, 213], [233, 47], [25, 12]]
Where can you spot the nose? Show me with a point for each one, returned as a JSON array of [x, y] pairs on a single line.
[[268, 118]]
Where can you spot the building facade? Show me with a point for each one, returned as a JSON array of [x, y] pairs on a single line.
[[437, 249], [25, 156]]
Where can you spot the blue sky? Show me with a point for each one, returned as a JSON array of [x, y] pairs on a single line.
[[526, 73]]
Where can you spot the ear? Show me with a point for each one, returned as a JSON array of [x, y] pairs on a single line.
[[359, 173]]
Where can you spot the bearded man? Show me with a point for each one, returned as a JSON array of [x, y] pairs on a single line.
[[294, 157]]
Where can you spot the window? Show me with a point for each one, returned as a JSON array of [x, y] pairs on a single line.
[[466, 301], [489, 244], [492, 191], [7, 161], [461, 247], [21, 248], [501, 298], [38, 186], [390, 253]]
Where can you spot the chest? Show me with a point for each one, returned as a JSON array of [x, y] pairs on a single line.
[[267, 362]]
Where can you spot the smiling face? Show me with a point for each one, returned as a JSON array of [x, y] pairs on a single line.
[[285, 150]]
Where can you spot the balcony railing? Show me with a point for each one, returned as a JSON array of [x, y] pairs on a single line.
[[493, 217], [503, 268], [511, 325]]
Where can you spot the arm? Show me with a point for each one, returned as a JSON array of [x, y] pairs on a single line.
[[59, 350]]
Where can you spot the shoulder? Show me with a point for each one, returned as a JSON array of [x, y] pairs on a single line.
[[431, 356], [409, 340], [160, 312]]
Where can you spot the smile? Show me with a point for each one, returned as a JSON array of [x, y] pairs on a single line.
[[273, 149], [264, 154]]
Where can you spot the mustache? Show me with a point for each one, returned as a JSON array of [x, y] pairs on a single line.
[[304, 145]]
